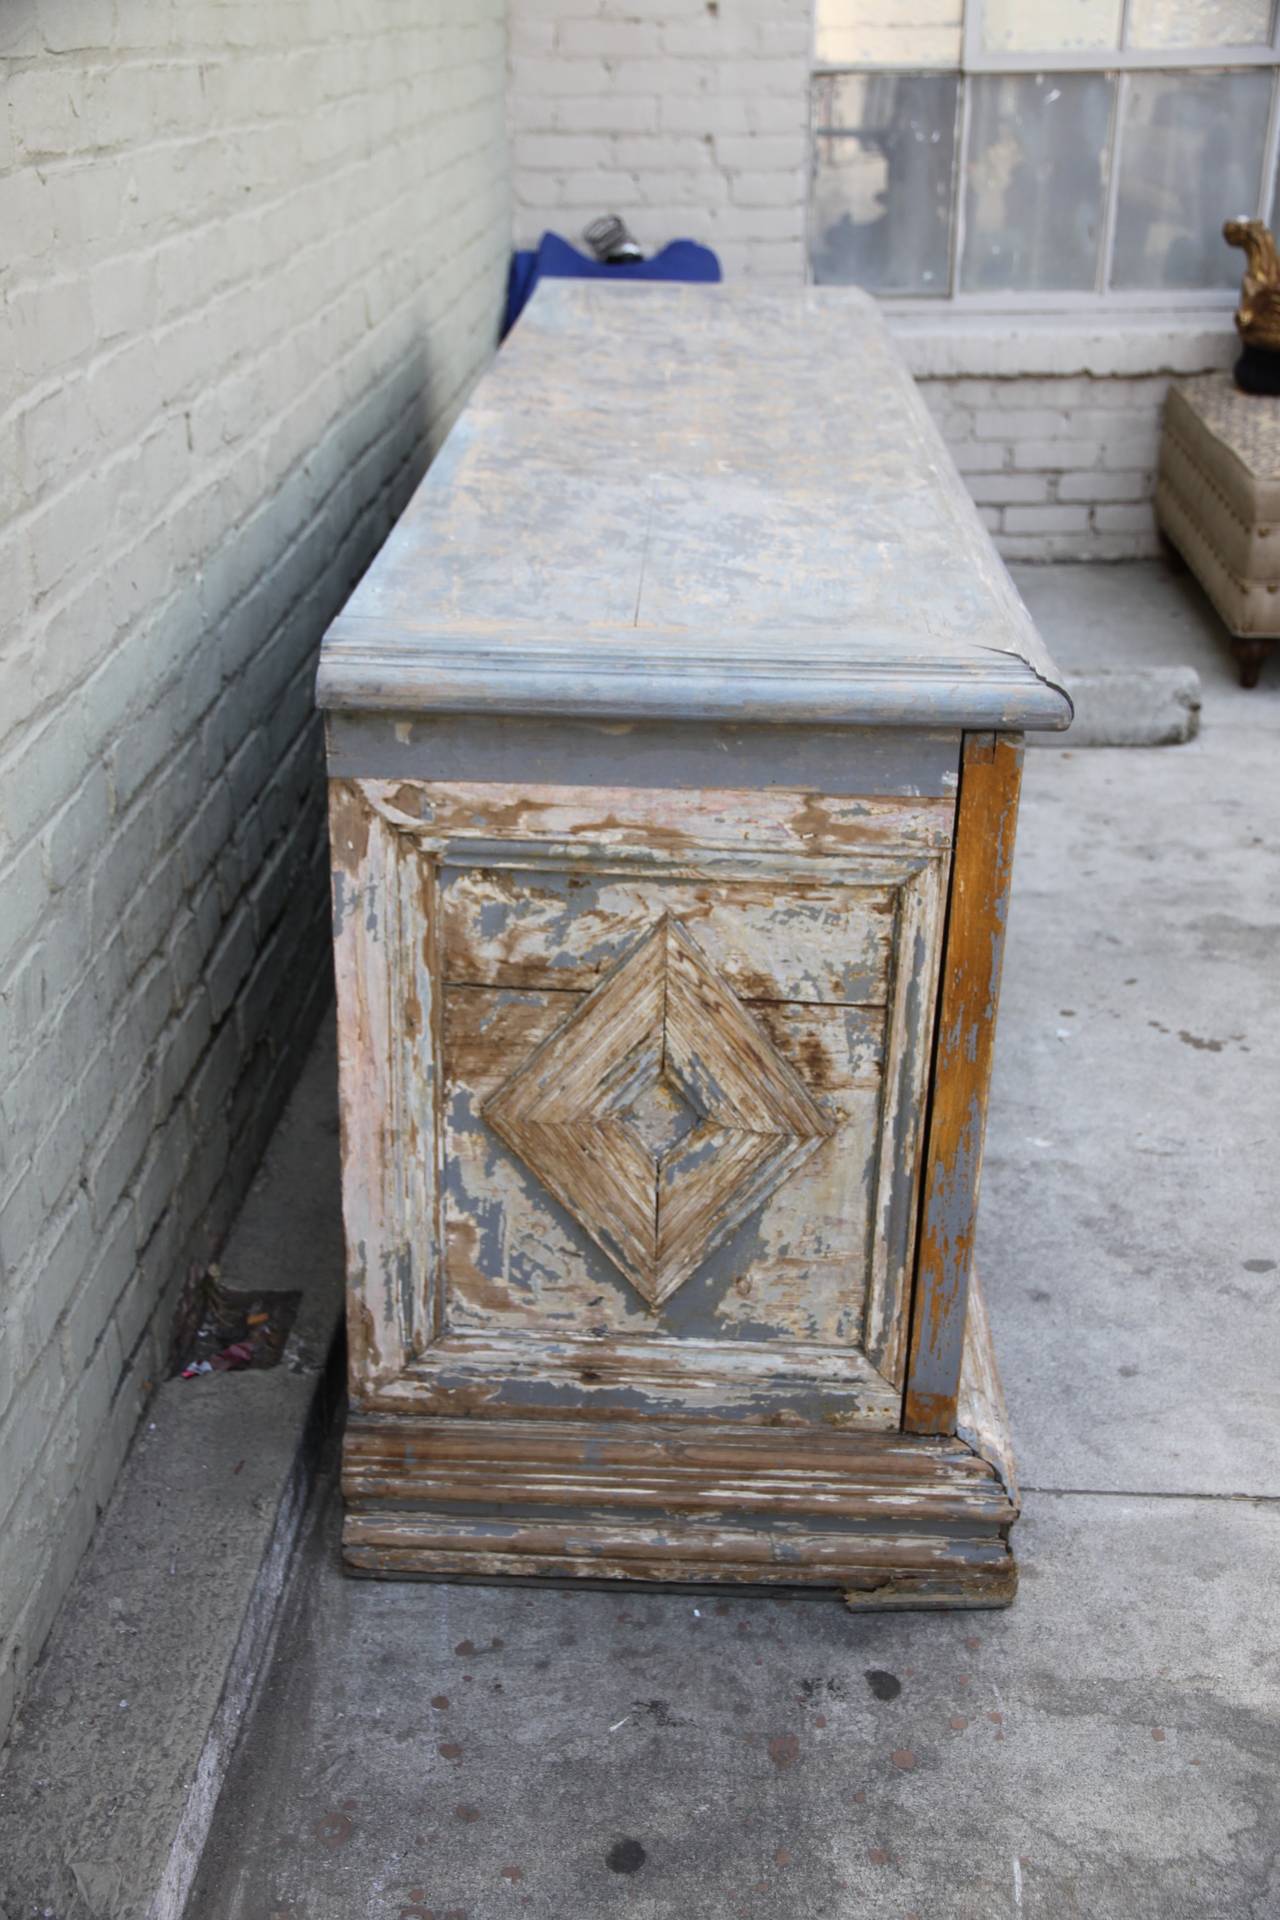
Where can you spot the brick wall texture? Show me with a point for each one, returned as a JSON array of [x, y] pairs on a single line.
[[1061, 468], [253, 255], [690, 118]]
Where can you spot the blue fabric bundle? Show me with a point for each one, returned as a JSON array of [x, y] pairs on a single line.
[[554, 258]]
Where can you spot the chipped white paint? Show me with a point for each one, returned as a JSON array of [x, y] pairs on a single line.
[[639, 1056], [466, 1229]]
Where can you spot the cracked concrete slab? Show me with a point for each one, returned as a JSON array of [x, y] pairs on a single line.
[[1107, 1747]]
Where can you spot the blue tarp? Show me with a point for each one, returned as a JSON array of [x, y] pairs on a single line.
[[553, 258]]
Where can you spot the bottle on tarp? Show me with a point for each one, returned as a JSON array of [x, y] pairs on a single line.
[[610, 241]]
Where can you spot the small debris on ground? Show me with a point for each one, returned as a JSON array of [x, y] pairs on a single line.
[[224, 1330]]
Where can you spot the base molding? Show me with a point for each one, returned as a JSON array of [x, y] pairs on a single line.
[[889, 1520], [893, 1521]]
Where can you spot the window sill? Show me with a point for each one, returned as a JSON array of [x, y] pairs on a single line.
[[959, 343]]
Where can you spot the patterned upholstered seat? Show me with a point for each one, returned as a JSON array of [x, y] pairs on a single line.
[[1218, 501]]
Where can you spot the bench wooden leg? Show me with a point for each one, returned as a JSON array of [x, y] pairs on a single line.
[[1250, 655], [1170, 554]]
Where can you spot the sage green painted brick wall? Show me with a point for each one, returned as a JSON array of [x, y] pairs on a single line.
[[253, 256]]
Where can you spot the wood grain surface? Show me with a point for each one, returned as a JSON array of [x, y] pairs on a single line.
[[981, 871]]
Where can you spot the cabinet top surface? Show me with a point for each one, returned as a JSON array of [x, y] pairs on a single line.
[[694, 502]]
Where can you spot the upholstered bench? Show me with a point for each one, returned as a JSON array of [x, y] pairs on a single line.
[[1218, 502]]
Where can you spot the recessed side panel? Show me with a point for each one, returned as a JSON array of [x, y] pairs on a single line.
[[662, 1159], [650, 1092]]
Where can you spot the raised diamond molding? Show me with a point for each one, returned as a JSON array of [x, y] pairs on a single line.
[[659, 1114]]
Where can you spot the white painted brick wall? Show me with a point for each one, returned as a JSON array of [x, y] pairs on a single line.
[[1062, 467], [252, 258], [687, 117]]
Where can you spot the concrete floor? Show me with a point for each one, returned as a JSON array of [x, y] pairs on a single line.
[[1110, 1747]]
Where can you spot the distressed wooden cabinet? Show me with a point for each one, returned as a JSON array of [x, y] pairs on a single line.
[[674, 742]]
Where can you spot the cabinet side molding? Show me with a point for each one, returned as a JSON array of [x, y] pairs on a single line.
[[986, 822]]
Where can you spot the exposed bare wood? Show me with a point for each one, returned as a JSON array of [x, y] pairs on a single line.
[[472, 1244], [377, 1213], [893, 1523], [985, 826], [630, 1448], [783, 938], [659, 1027], [675, 824], [796, 1275], [909, 1037], [860, 1478], [762, 1383], [807, 1277]]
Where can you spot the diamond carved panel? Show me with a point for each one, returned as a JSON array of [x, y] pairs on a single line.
[[659, 1114]]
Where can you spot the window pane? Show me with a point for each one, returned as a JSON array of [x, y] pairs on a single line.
[[889, 33], [1049, 26], [1036, 181], [884, 149], [1198, 23], [1190, 156]]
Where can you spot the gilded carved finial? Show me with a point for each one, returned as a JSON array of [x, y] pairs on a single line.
[[1258, 315]]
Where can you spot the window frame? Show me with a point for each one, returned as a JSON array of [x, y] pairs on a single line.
[[975, 61]]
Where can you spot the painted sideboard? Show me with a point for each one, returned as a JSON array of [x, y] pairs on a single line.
[[674, 741]]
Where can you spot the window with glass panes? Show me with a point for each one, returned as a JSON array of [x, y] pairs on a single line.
[[1013, 150]]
